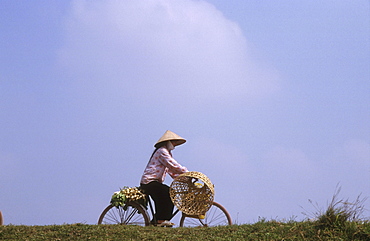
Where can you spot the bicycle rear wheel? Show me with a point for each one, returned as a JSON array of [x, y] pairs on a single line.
[[131, 214], [215, 216]]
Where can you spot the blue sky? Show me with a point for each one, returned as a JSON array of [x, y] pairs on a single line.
[[273, 98]]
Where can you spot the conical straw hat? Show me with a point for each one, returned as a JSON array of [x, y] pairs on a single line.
[[170, 136]]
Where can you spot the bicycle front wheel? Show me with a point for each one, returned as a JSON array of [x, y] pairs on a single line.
[[215, 216], [132, 213]]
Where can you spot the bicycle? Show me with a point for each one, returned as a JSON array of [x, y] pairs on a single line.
[[134, 213]]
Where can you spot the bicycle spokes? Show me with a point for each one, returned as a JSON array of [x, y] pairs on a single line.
[[131, 214], [216, 216]]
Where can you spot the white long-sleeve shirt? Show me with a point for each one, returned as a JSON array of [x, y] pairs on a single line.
[[159, 165]]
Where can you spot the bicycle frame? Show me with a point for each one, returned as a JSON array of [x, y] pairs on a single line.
[[153, 213]]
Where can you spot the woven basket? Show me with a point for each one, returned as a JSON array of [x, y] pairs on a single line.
[[192, 193]]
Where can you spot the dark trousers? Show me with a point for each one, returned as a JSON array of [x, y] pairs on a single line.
[[160, 193]]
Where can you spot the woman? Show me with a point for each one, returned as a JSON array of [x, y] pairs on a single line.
[[160, 163]]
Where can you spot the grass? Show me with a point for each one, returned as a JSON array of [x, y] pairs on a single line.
[[262, 230], [340, 214], [341, 220]]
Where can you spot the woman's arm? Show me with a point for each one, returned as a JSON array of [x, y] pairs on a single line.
[[174, 168]]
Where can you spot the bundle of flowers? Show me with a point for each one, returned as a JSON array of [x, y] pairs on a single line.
[[127, 194]]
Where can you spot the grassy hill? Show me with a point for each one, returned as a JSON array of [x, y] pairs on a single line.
[[262, 230], [340, 221]]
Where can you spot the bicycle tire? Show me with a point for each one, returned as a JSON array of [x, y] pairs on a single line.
[[217, 215], [132, 213]]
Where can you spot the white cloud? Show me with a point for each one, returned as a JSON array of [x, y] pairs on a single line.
[[215, 155], [183, 50], [290, 159], [358, 151], [11, 166]]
